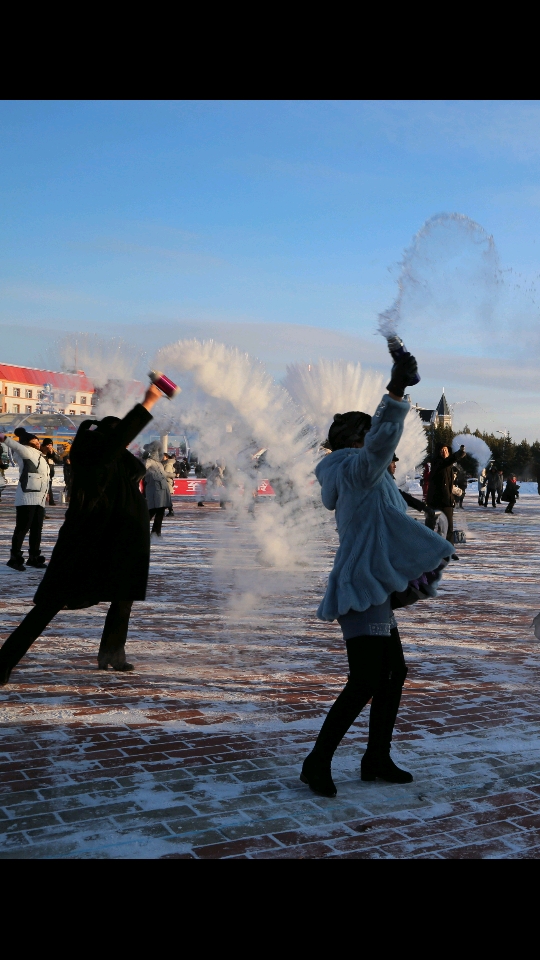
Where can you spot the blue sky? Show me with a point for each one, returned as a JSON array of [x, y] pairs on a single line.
[[152, 217]]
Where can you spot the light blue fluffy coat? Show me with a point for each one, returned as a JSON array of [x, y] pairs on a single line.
[[380, 548]]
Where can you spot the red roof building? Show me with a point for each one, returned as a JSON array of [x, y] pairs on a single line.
[[21, 388]]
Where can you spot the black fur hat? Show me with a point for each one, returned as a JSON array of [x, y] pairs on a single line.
[[348, 428]]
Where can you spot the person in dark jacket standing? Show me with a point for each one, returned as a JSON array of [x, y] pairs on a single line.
[[53, 460], [105, 531], [441, 481], [511, 493], [492, 477]]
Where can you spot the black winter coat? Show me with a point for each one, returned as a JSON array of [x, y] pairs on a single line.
[[441, 481], [103, 548], [511, 492]]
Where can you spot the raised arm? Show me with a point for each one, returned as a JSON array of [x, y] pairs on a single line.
[[109, 446], [380, 442], [18, 448]]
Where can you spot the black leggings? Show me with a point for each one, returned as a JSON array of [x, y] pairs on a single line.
[[492, 494], [112, 643], [28, 519], [157, 513], [377, 673]]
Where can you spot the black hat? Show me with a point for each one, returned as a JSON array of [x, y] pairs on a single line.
[[348, 428], [46, 440], [395, 459], [23, 436]]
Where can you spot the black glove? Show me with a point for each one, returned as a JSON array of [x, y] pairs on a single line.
[[404, 373]]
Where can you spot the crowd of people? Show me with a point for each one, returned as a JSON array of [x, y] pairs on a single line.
[[385, 560]]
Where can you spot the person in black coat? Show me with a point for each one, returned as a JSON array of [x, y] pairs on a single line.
[[103, 548], [441, 481], [511, 493], [53, 459]]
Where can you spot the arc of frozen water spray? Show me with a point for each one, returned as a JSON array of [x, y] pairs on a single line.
[[266, 416], [389, 319]]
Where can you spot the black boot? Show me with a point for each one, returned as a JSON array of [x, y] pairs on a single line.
[[317, 773], [375, 767], [116, 660], [38, 562], [5, 673], [16, 562]]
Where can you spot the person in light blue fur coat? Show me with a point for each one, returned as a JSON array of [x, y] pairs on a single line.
[[384, 558]]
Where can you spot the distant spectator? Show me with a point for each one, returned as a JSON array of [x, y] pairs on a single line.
[[500, 485], [156, 487], [30, 498], [440, 495], [482, 481], [53, 460], [4, 464], [425, 480], [460, 485], [170, 473], [492, 484], [181, 468], [511, 493]]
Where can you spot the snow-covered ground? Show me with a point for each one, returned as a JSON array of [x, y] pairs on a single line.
[[197, 752]]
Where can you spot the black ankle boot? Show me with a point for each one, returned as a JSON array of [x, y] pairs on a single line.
[[317, 773], [5, 673], [16, 562], [115, 660], [38, 562], [375, 767]]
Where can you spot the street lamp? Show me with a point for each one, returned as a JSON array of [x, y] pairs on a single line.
[[505, 435]]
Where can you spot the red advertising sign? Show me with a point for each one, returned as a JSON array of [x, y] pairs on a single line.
[[196, 487], [265, 489]]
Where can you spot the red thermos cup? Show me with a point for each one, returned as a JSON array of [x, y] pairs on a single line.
[[163, 383]]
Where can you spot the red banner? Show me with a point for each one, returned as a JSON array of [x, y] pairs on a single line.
[[196, 487], [190, 488]]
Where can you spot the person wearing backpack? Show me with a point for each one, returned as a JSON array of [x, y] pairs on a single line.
[[30, 498]]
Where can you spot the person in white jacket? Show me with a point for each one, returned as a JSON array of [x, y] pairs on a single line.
[[30, 499]]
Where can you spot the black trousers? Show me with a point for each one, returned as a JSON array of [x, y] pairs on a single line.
[[377, 673], [157, 513], [28, 519], [449, 514], [510, 507], [112, 643], [492, 494]]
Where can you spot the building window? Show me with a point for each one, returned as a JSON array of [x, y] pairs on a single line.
[[28, 408], [28, 394], [62, 397], [16, 408], [73, 399], [16, 392], [5, 391], [83, 400], [61, 411], [73, 413]]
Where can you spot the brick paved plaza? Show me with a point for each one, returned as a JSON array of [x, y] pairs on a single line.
[[197, 754]]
